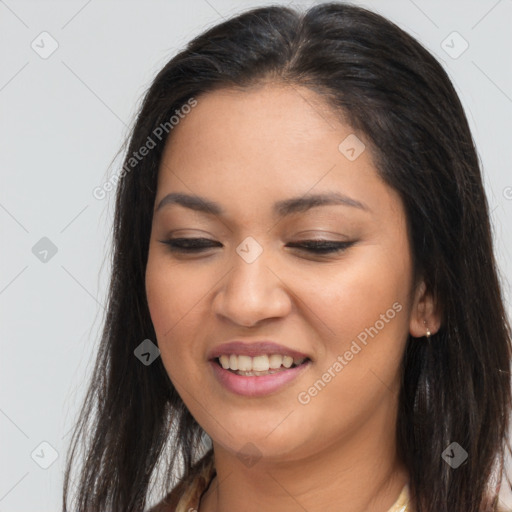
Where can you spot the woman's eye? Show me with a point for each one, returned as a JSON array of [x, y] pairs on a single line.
[[189, 244], [321, 246], [201, 244]]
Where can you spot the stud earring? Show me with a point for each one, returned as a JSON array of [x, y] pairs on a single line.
[[428, 330]]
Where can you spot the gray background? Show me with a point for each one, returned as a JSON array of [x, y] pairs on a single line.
[[63, 118]]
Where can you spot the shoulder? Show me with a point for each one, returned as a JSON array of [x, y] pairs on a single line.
[[170, 502], [188, 490]]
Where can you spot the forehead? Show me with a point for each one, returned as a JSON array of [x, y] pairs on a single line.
[[262, 122], [265, 144]]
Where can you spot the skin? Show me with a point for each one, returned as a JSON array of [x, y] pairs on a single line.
[[245, 150]]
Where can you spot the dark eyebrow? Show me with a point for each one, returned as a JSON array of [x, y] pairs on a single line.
[[303, 203], [281, 208]]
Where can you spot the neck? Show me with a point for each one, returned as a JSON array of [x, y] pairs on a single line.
[[361, 472]]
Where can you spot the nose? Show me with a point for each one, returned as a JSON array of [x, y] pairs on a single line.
[[252, 292]]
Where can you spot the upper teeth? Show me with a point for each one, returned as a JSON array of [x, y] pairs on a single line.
[[258, 363]]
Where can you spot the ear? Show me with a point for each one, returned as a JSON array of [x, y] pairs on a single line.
[[424, 313]]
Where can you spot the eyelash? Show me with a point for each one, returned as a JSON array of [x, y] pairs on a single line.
[[321, 247]]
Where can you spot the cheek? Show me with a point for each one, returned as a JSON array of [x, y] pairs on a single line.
[[360, 290], [363, 307], [174, 301], [171, 292]]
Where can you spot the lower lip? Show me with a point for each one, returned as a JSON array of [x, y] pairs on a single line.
[[256, 385]]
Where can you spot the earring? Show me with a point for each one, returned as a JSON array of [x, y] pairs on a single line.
[[428, 330]]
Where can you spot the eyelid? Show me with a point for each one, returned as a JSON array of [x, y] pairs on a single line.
[[318, 247]]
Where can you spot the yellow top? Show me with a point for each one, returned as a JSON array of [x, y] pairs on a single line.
[[186, 496]]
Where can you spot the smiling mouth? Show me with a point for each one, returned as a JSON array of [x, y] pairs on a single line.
[[250, 365]]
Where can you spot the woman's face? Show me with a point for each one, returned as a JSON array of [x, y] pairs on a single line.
[[258, 155]]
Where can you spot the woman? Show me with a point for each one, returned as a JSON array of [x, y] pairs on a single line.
[[302, 230]]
